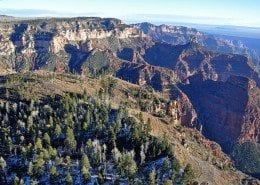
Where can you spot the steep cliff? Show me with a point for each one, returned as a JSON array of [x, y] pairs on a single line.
[[228, 111], [189, 59], [44, 43]]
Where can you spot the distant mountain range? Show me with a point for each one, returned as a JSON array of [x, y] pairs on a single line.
[[216, 42]]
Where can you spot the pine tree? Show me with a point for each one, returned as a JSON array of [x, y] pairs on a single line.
[[30, 169], [86, 121], [175, 169], [100, 178], [53, 175], [69, 179], [2, 170], [57, 130], [29, 123], [85, 161], [67, 160], [46, 139], [5, 138], [152, 178], [176, 165], [111, 137], [142, 154], [166, 166], [7, 93], [116, 154], [38, 145], [2, 163], [51, 122], [127, 166], [167, 182], [85, 174], [46, 155], [38, 165], [70, 142], [188, 174], [148, 127], [52, 152], [16, 181]]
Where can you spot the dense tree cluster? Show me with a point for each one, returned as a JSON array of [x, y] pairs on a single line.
[[78, 139], [247, 158]]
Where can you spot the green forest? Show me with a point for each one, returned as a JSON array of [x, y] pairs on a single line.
[[75, 139]]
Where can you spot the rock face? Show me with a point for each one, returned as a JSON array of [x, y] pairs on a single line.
[[70, 45], [36, 44], [161, 79], [157, 77], [190, 59], [182, 35], [228, 111]]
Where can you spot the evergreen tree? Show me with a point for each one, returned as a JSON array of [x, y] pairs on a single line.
[[167, 182], [85, 174], [166, 166], [116, 154], [16, 181], [2, 163], [100, 178], [38, 145], [188, 175], [111, 137], [142, 154], [176, 165], [85, 161], [29, 123], [152, 178], [70, 142], [127, 166], [175, 169], [57, 130], [2, 170], [52, 152], [86, 122], [69, 179], [38, 165], [46, 139], [51, 121], [30, 169], [67, 160], [53, 175]]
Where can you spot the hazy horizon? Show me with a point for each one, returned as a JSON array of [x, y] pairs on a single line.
[[235, 13]]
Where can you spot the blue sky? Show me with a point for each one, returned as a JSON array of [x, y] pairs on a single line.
[[220, 12]]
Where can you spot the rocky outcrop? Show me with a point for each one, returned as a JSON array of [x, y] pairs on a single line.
[[182, 35], [176, 35], [185, 110], [38, 43], [156, 77], [180, 109], [190, 59]]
